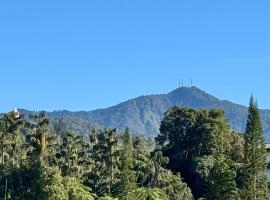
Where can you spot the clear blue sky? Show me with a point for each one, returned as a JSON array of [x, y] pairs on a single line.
[[82, 55]]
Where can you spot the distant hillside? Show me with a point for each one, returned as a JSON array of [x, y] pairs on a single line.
[[143, 114]]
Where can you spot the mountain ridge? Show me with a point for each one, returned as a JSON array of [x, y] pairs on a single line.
[[144, 113]]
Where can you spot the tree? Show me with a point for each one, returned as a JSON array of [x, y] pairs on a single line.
[[201, 168], [187, 134], [105, 151], [127, 179], [147, 165], [173, 186], [195, 144], [12, 154], [10, 138], [152, 173], [49, 185], [38, 135], [72, 156], [149, 194], [254, 178], [221, 181], [236, 152], [76, 190]]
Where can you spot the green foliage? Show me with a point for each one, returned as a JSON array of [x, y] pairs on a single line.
[[72, 156], [76, 190], [254, 178], [188, 134], [236, 152], [174, 186], [49, 185], [107, 198], [106, 155], [198, 145], [149, 194], [10, 139], [127, 179], [222, 181], [127, 154], [201, 168]]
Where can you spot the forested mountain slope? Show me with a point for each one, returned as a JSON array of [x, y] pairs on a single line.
[[143, 114]]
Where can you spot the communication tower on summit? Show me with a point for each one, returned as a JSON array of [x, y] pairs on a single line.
[[188, 83]]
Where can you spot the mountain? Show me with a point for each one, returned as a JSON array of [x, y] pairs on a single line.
[[143, 114]]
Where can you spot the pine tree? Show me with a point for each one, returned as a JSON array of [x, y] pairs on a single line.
[[127, 179], [254, 178]]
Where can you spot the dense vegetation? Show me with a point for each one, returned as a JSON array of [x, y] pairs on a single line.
[[195, 156]]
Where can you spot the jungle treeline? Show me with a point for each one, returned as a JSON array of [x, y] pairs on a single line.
[[196, 155]]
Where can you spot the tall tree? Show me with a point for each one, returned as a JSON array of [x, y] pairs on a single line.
[[49, 185], [38, 135], [12, 154], [254, 178], [127, 179], [10, 138], [186, 134], [72, 156], [105, 153]]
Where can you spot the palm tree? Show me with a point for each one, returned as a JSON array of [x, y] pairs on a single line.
[[73, 157]]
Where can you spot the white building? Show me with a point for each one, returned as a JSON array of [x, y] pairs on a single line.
[[16, 113]]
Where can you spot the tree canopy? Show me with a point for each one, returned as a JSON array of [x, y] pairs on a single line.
[[195, 156]]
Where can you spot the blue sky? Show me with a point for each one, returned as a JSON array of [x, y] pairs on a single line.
[[82, 55]]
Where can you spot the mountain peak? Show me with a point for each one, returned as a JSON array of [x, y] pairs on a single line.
[[187, 89], [193, 97]]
